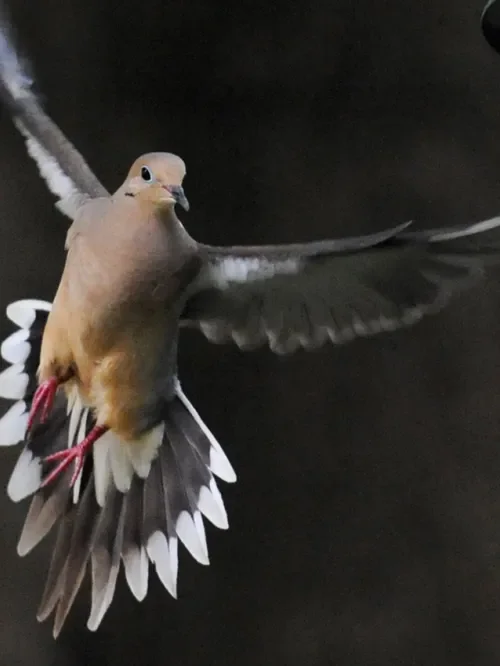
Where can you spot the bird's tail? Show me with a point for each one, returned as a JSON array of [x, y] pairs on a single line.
[[131, 503]]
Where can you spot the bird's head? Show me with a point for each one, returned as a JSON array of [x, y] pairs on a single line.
[[156, 178]]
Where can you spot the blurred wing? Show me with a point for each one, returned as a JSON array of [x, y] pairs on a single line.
[[303, 295], [63, 168]]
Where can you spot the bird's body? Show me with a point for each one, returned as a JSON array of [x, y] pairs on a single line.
[[114, 454], [114, 323]]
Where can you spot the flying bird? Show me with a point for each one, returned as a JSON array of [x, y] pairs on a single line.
[[114, 454]]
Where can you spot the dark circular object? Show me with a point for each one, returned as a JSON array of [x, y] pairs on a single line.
[[146, 174], [490, 24]]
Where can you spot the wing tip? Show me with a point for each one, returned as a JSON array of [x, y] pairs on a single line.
[[14, 77]]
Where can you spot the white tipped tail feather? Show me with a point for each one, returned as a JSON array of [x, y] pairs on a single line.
[[132, 502]]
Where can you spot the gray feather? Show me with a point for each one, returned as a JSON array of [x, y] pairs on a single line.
[[82, 543], [105, 558], [292, 296], [56, 574]]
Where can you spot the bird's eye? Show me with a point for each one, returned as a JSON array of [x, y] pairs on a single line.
[[146, 175]]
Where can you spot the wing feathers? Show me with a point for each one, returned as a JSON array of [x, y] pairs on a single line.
[[62, 167], [294, 296]]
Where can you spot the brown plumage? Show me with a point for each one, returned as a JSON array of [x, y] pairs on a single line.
[[115, 456], [125, 250]]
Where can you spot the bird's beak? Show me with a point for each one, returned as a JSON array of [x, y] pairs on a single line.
[[178, 193]]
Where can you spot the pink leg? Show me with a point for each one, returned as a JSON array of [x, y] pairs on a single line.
[[74, 454], [43, 399]]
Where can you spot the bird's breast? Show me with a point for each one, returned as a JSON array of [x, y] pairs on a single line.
[[123, 328]]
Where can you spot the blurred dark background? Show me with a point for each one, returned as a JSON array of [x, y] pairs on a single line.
[[365, 524]]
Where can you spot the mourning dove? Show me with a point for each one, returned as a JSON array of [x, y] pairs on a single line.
[[114, 453]]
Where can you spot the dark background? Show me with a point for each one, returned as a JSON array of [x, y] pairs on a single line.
[[365, 524]]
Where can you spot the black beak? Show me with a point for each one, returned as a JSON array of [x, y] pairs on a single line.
[[179, 196]]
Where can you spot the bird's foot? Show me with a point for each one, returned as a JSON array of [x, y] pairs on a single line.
[[75, 454], [43, 400]]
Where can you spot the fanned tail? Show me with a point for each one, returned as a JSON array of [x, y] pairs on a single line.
[[132, 502]]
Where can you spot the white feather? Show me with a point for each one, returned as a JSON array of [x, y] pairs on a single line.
[[159, 553], [13, 382], [26, 477], [200, 530], [102, 467], [16, 348], [212, 507], [97, 614], [249, 269], [174, 561], [143, 452], [136, 566], [80, 438], [72, 398], [13, 424], [219, 464], [121, 467], [23, 313], [58, 182], [74, 418], [210, 330], [187, 531], [123, 459]]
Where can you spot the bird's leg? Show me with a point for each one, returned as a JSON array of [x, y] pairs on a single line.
[[45, 394], [43, 399], [75, 454]]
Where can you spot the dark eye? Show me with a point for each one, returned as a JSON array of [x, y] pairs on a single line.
[[146, 175]]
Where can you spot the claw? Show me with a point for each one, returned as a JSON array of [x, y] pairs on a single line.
[[75, 454], [44, 399]]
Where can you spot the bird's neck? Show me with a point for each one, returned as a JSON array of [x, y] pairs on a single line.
[[173, 226]]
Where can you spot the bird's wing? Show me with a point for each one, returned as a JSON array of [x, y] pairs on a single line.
[[295, 296], [65, 171]]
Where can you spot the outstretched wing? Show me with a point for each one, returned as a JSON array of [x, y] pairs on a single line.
[[295, 296], [65, 171]]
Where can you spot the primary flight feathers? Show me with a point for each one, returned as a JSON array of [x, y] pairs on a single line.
[[114, 453], [63, 168]]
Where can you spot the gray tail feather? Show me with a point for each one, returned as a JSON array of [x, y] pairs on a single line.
[[161, 506]]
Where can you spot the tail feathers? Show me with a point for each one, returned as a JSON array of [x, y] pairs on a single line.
[[132, 503], [22, 351], [159, 533], [134, 555], [83, 538], [106, 556], [141, 525], [47, 507], [55, 578]]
